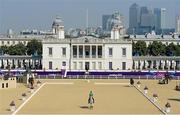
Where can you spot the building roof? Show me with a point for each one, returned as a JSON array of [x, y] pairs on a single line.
[[57, 22], [86, 39]]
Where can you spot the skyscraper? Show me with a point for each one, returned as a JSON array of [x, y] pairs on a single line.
[[134, 17], [143, 20], [160, 16], [163, 18], [178, 26], [146, 20], [157, 14]]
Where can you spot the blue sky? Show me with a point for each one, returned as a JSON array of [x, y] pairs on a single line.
[[39, 14]]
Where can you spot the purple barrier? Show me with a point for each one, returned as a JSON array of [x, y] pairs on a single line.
[[104, 74], [48, 73]]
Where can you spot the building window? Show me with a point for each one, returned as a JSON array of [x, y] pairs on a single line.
[[80, 65], [63, 63], [74, 51], [87, 66], [80, 51], [2, 85], [123, 65], [50, 64], [99, 65], [123, 51], [99, 51], [8, 42], [93, 51], [6, 85], [63, 51], [50, 51], [74, 65], [2, 42], [110, 52], [87, 51], [110, 66], [13, 42]]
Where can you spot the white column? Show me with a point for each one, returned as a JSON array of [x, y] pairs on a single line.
[[21, 63], [152, 62], [77, 51], [141, 64], [10, 63], [162, 64], [90, 51], [31, 63], [136, 65], [15, 63], [168, 63], [5, 63], [84, 51], [157, 64], [146, 64], [174, 64]]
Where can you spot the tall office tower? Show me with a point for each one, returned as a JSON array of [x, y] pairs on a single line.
[[163, 18], [143, 11], [147, 20], [160, 16], [157, 14], [178, 26], [104, 21], [134, 18]]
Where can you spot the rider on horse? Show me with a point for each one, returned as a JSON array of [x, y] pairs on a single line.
[[91, 99]]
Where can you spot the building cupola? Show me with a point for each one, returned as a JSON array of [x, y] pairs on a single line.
[[58, 28]]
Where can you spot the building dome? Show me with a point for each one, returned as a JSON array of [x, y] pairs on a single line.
[[57, 22], [116, 20]]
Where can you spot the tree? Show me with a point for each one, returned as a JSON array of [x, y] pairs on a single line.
[[34, 46], [4, 50], [18, 49], [156, 49], [177, 49], [171, 50], [140, 48]]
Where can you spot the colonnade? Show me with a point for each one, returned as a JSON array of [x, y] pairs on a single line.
[[23, 63], [156, 64]]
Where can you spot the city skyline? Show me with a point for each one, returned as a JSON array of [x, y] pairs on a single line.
[[39, 14]]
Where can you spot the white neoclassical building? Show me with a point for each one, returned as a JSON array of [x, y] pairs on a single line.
[[114, 53]]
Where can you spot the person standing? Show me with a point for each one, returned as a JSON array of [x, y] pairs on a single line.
[[131, 81]]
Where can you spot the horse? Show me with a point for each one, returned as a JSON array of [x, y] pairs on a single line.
[[167, 77], [91, 102]]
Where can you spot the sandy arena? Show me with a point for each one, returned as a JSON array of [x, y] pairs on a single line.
[[111, 97]]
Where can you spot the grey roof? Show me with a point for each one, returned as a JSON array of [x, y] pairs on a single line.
[[57, 22]]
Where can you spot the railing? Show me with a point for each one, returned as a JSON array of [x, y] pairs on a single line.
[[54, 76]]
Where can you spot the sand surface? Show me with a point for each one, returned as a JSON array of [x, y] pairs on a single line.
[[109, 98]]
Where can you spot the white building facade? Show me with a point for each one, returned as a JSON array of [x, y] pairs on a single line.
[[87, 53]]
